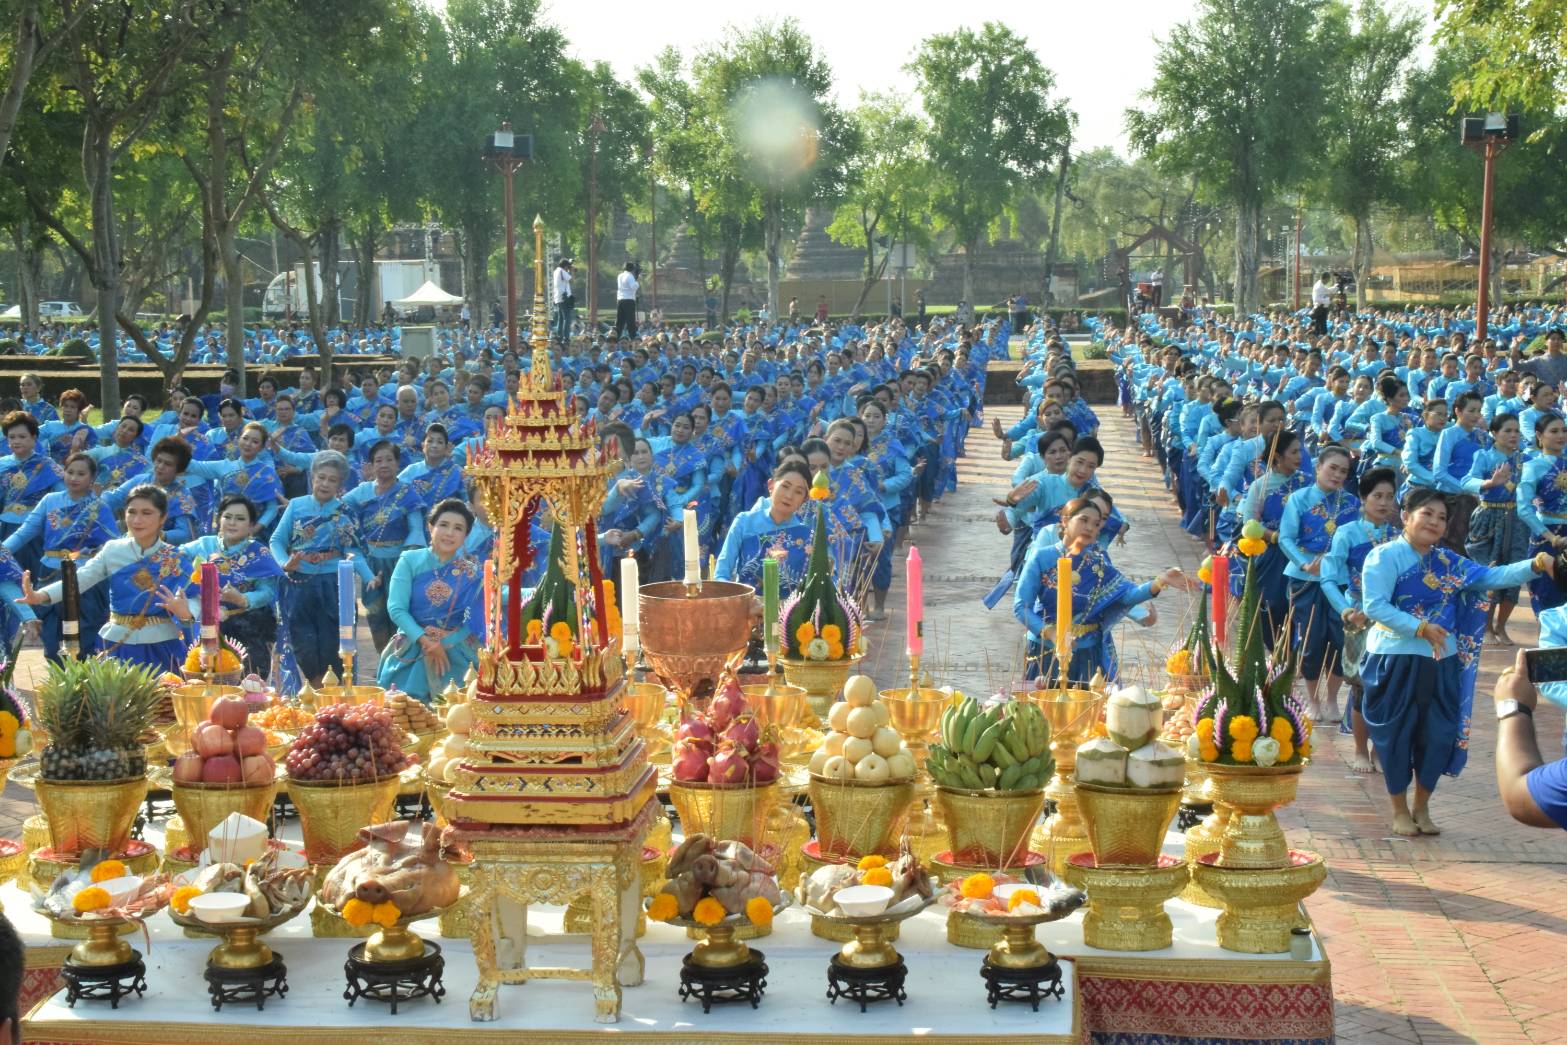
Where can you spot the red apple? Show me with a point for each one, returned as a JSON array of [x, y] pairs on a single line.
[[229, 712], [211, 739], [258, 769], [187, 768], [221, 769], [250, 740]]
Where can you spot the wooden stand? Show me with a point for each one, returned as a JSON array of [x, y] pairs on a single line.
[[719, 984], [100, 982], [1030, 985], [866, 985], [243, 986], [397, 981]]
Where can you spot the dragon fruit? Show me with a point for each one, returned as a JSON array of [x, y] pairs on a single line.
[[765, 764], [690, 760], [729, 764], [726, 706], [744, 732], [696, 729]]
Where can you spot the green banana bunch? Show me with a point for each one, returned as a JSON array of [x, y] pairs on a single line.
[[1005, 747]]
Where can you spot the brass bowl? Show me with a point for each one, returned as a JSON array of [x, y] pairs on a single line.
[[822, 680], [778, 704], [331, 814], [645, 703], [916, 714], [989, 828], [725, 811], [690, 640], [855, 819], [193, 702], [203, 807], [1252, 837], [358, 694], [1071, 712], [90, 814], [1126, 826]]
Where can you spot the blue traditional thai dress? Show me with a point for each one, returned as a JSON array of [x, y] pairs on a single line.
[[754, 537], [249, 567], [22, 485], [1497, 535], [11, 590], [257, 479], [429, 596], [434, 485], [686, 467], [641, 512], [388, 524], [1265, 499], [888, 462], [307, 599], [1417, 706], [68, 527], [139, 629], [118, 465], [1101, 596], [1542, 505], [57, 437], [182, 525], [1311, 518]]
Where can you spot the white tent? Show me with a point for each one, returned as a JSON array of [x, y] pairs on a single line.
[[429, 295]]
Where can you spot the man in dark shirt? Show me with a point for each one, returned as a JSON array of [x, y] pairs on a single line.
[[1533, 791]]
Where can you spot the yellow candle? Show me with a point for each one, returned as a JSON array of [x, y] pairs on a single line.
[[1063, 611]]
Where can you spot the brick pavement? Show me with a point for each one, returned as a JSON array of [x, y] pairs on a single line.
[[1456, 938]]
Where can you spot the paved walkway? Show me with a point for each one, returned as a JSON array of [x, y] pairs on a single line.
[[1457, 938]]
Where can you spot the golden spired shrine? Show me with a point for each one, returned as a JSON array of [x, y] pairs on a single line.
[[555, 794]]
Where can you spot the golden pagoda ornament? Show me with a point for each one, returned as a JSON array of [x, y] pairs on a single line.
[[555, 794]]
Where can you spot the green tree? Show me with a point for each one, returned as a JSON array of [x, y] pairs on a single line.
[[995, 132], [1237, 102], [886, 177], [1518, 57], [1371, 59], [39, 29]]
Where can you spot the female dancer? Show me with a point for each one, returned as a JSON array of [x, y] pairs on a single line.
[[249, 474], [148, 581], [249, 578], [1100, 597], [391, 519], [26, 475], [1497, 534], [436, 599], [1542, 505], [888, 461], [1418, 675], [682, 463], [1265, 499], [776, 526]]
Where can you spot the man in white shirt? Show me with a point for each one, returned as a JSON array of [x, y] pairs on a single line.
[[565, 301], [1321, 295], [626, 301]]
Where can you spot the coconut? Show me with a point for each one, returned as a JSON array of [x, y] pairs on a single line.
[[1101, 761], [1155, 765], [1133, 716]]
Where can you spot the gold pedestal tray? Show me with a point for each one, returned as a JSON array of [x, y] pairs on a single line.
[[202, 807], [855, 819], [241, 946], [822, 680], [725, 811], [13, 860], [35, 833], [331, 814], [722, 946], [782, 705], [1252, 837], [867, 939], [85, 815], [1203, 840], [989, 828], [967, 930], [1126, 825], [1126, 904], [101, 941], [394, 943], [1072, 714], [1260, 905], [44, 866]]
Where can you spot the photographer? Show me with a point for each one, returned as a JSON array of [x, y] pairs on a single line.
[[1321, 298], [565, 301], [1533, 791]]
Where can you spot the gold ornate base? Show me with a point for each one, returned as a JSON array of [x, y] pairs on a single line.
[[822, 680], [1261, 906], [1125, 909], [242, 948], [102, 945], [175, 837], [843, 932], [455, 921], [35, 834], [976, 934], [1201, 841]]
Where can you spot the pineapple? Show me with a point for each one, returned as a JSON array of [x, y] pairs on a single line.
[[95, 712]]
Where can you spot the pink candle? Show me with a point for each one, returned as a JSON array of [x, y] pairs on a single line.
[[1221, 597], [916, 576]]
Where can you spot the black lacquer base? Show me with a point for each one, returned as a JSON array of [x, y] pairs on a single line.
[[395, 982], [1030, 985], [716, 986], [104, 982], [244, 986], [866, 985]]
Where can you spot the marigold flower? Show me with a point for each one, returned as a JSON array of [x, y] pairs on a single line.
[[805, 633], [1179, 663], [663, 908], [1240, 751], [1205, 574], [759, 911], [92, 898], [869, 861], [1251, 546], [1286, 750], [1280, 729], [1243, 727], [1205, 728], [708, 911], [1305, 749], [357, 913], [104, 870], [1022, 896], [560, 629], [832, 633], [876, 876], [1207, 752], [182, 897], [385, 914], [978, 886]]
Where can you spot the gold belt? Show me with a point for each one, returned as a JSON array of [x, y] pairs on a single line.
[[135, 620], [1498, 504]]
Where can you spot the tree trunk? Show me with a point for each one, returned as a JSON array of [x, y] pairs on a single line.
[[29, 272], [1047, 297], [1248, 219], [1363, 251], [772, 218], [367, 308], [234, 303], [729, 258], [331, 295], [24, 53], [968, 270], [98, 167], [475, 254]]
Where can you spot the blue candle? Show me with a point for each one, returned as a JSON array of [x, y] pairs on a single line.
[[345, 605]]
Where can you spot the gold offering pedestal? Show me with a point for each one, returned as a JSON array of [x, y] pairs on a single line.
[[725, 811], [1255, 878], [1125, 909], [1072, 713], [722, 967], [241, 946], [646, 702], [855, 819], [202, 807], [989, 829], [192, 704], [89, 814], [691, 635], [916, 715], [968, 930], [1126, 826]]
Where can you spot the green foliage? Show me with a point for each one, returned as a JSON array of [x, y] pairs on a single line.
[[75, 348], [887, 180], [1517, 53]]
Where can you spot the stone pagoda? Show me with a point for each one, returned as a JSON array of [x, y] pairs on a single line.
[[555, 794]]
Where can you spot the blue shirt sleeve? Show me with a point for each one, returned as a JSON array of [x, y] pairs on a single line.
[[1548, 788]]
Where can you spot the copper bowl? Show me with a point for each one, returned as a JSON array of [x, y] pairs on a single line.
[[689, 640]]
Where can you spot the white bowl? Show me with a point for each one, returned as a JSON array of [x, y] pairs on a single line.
[[1004, 892], [217, 908], [860, 901]]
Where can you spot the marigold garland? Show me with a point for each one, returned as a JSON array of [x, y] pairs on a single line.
[[385, 914], [1243, 727], [104, 870], [708, 911], [663, 908], [1251, 546], [1240, 751], [869, 861], [759, 911]]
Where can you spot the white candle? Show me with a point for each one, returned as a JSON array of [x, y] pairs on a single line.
[[630, 597], [693, 550]]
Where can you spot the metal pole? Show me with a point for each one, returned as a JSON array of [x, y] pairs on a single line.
[[1297, 260], [594, 130], [508, 168], [652, 198], [1483, 303]]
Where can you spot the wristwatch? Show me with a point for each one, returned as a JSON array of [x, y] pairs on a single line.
[[1510, 707]]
